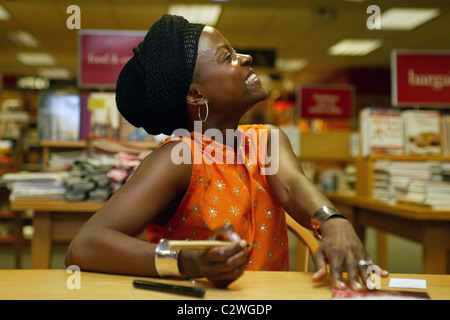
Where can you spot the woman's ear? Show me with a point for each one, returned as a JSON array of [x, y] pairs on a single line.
[[194, 97]]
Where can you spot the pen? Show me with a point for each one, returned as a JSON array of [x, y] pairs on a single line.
[[163, 287], [198, 244]]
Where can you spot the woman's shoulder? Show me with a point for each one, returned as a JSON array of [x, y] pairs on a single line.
[[164, 159]]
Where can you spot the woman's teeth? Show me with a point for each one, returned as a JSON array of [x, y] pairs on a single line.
[[251, 78]]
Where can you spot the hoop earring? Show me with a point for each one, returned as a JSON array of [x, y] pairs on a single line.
[[207, 112]]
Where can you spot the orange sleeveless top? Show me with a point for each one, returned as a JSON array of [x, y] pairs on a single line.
[[236, 192]]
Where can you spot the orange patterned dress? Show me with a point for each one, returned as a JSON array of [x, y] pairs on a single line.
[[236, 192]]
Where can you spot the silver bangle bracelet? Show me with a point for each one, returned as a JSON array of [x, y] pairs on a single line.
[[166, 261]]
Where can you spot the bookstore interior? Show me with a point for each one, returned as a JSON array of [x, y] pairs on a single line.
[[362, 90]]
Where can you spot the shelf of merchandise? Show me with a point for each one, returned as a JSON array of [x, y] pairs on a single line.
[[365, 168]]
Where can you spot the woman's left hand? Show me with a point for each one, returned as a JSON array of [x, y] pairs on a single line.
[[343, 251]]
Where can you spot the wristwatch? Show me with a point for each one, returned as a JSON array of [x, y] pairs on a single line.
[[322, 215]]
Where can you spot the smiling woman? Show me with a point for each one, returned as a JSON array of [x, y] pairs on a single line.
[[178, 74], [224, 79]]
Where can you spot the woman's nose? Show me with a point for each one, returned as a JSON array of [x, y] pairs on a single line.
[[245, 59]]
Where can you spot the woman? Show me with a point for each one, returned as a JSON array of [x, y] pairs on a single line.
[[181, 74]]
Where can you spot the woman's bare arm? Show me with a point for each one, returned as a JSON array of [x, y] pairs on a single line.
[[107, 241], [340, 246]]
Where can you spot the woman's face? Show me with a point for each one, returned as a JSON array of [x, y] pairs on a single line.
[[224, 78]]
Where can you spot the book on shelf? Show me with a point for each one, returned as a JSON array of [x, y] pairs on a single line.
[[445, 171], [104, 115], [35, 185], [59, 117], [422, 132], [62, 160], [433, 194], [381, 131], [413, 182], [437, 194], [99, 115]]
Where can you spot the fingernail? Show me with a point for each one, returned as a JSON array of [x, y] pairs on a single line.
[[317, 274], [235, 237], [243, 243], [357, 286]]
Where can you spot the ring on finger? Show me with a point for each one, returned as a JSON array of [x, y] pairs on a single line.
[[365, 263]]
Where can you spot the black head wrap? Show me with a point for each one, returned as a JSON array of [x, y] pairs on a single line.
[[152, 87]]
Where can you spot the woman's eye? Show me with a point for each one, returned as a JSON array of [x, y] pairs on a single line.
[[230, 56]]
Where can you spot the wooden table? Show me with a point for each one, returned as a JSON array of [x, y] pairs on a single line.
[[429, 227], [54, 221], [253, 285]]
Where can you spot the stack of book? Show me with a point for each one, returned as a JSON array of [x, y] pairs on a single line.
[[412, 182], [392, 178], [381, 131], [434, 194], [35, 185], [422, 132], [381, 183]]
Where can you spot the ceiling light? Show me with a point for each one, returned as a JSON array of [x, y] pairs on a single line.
[[24, 38], [290, 65], [4, 14], [36, 59], [407, 18], [354, 47], [54, 73], [207, 14]]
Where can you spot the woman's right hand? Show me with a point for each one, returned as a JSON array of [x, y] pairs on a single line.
[[221, 265]]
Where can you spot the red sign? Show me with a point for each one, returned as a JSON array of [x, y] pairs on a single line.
[[420, 78], [102, 55], [325, 102]]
